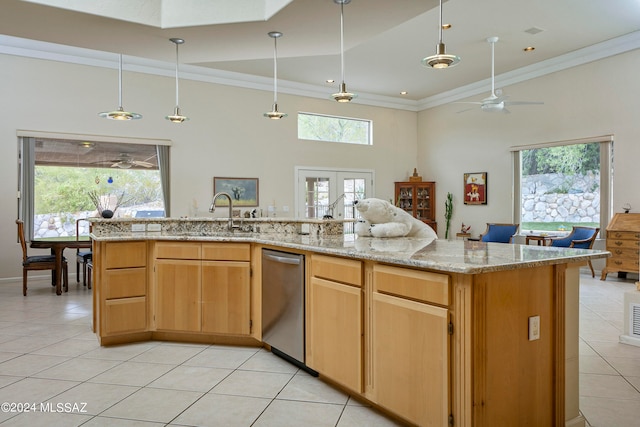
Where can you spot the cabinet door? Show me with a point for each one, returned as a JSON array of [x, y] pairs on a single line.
[[334, 342], [424, 202], [178, 295], [411, 359], [125, 315], [226, 297]]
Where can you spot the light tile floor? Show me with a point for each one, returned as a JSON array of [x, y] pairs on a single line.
[[49, 356]]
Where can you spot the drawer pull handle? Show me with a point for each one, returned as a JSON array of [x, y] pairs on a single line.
[[617, 262], [618, 251], [618, 243]]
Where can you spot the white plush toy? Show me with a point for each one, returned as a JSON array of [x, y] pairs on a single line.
[[382, 219]]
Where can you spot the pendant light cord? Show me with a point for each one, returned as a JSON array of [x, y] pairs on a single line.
[[440, 32], [177, 104], [342, 39], [120, 83], [275, 70]]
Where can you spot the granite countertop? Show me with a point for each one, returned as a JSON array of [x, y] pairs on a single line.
[[454, 256]]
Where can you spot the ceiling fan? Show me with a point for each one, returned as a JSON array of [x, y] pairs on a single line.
[[125, 161], [496, 102]]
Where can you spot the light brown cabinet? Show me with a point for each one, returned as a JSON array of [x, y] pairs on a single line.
[[335, 320], [178, 287], [410, 342], [203, 287], [623, 241], [123, 301], [419, 199]]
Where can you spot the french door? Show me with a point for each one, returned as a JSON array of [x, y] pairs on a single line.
[[330, 193]]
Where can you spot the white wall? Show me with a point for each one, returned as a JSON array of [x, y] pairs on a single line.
[[594, 99], [226, 136]]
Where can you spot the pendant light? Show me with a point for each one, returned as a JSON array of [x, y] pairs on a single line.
[[274, 113], [177, 117], [440, 59], [343, 95], [120, 114]]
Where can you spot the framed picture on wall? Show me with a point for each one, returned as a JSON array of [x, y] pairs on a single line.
[[475, 188], [243, 191]]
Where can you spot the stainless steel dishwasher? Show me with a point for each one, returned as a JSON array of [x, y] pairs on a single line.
[[283, 305]]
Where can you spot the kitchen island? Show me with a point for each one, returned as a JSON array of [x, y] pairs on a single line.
[[435, 332]]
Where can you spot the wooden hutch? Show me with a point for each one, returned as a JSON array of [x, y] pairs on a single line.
[[419, 199]]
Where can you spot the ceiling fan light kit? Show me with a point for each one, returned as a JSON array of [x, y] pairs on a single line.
[[441, 59], [274, 114], [120, 114], [343, 95], [177, 117]]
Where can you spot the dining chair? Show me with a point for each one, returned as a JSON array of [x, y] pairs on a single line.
[[581, 238], [37, 262], [501, 233], [82, 256]]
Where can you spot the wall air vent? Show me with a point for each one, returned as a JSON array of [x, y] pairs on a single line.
[[634, 321]]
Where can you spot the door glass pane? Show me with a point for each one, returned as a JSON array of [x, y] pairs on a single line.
[[354, 189], [316, 197]]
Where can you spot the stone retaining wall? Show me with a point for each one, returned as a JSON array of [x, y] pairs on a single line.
[[547, 198]]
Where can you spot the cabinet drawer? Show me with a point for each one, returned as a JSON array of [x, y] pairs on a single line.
[[125, 315], [626, 264], [125, 282], [626, 235], [624, 253], [337, 269], [226, 251], [178, 250], [125, 254], [619, 243], [413, 284]]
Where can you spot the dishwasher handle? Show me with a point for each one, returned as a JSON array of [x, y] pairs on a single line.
[[281, 259]]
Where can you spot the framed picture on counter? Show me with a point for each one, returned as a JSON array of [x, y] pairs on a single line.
[[475, 188], [243, 191]]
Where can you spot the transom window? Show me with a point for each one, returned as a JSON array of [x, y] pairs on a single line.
[[318, 127]]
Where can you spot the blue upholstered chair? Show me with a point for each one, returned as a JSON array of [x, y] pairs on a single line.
[[580, 237], [501, 233]]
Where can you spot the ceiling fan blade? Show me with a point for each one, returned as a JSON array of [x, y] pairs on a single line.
[[523, 103], [141, 163], [466, 109]]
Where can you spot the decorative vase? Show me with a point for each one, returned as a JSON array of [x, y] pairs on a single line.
[[107, 213]]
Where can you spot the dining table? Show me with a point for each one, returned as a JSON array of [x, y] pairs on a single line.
[[57, 246]]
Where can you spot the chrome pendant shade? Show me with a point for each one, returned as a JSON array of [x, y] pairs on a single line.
[[274, 114], [343, 95], [441, 59], [120, 114], [177, 117]]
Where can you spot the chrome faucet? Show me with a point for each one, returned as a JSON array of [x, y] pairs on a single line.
[[212, 208]]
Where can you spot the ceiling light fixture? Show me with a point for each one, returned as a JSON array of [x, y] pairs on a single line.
[[120, 114], [177, 117], [274, 113], [529, 49], [343, 95], [440, 59]]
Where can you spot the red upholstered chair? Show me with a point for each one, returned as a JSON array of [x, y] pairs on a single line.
[[37, 262]]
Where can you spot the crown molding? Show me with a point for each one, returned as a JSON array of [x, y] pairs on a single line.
[[578, 57], [54, 52]]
